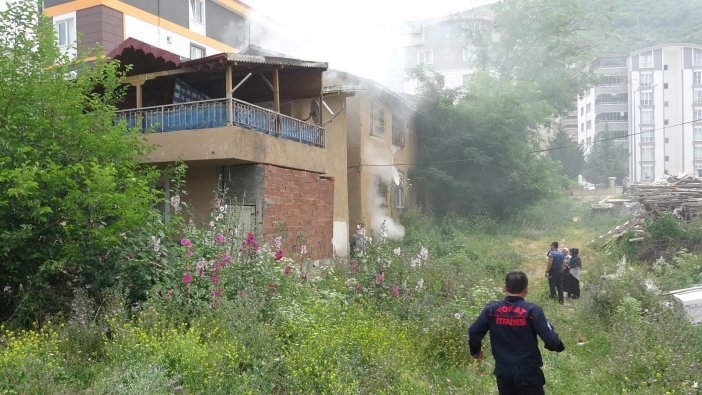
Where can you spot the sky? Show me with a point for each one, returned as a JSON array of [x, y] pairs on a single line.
[[363, 37]]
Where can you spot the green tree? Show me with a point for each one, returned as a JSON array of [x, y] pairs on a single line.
[[74, 203], [476, 152], [546, 42], [565, 151], [607, 158]]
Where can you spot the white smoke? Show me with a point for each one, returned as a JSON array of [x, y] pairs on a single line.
[[381, 222]]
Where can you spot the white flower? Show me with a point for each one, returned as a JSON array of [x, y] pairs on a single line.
[[175, 202], [420, 284], [424, 253], [156, 243], [384, 233], [458, 316], [414, 262], [397, 251], [303, 250], [212, 224], [278, 242]]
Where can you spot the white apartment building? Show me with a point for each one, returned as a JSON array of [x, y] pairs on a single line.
[[650, 100], [604, 107], [666, 108]]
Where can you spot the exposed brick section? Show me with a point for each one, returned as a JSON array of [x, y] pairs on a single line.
[[303, 204]]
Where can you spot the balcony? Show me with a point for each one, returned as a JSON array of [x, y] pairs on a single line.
[[218, 113]]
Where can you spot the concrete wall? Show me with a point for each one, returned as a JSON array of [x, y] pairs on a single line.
[[299, 205]]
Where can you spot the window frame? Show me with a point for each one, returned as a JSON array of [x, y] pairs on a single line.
[[422, 57], [399, 128], [70, 24], [194, 46], [194, 14], [646, 60], [377, 126]]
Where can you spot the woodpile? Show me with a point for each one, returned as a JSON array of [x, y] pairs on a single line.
[[678, 195]]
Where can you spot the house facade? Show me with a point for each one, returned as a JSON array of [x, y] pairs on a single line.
[[190, 29], [382, 146]]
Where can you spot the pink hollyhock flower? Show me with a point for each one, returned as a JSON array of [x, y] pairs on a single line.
[[186, 243], [219, 238], [278, 242], [395, 291], [379, 278], [189, 252], [358, 287], [216, 293], [279, 255], [187, 278], [218, 203], [273, 288], [288, 270], [354, 265], [215, 279]]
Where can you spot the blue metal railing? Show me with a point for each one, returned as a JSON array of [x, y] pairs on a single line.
[[215, 114]]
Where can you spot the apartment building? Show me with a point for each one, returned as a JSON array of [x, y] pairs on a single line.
[[666, 108], [603, 109], [190, 29], [650, 100], [445, 45]]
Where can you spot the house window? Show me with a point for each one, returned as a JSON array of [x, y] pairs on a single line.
[[647, 172], [697, 153], [697, 96], [425, 57], [582, 128], [398, 132], [65, 32], [646, 60], [196, 51], [382, 190], [467, 55], [647, 154], [697, 58], [589, 124], [589, 107], [197, 11], [399, 195], [582, 110], [697, 77], [698, 169], [697, 115], [647, 117], [647, 136], [377, 121], [646, 79], [697, 133], [646, 98]]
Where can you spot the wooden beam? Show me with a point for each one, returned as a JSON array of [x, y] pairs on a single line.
[[228, 90], [141, 78], [276, 91], [139, 96]]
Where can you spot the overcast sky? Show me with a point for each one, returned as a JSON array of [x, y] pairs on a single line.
[[360, 36]]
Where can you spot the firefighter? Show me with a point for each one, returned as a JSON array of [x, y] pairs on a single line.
[[514, 324]]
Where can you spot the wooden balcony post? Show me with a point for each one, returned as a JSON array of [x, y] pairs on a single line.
[[276, 100], [321, 99], [276, 91], [228, 89], [139, 103]]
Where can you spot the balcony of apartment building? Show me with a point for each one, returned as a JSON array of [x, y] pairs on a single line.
[[224, 107], [611, 121], [611, 102]]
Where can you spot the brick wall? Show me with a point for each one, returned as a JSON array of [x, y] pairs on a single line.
[[302, 205]]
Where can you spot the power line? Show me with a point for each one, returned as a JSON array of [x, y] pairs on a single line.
[[532, 152]]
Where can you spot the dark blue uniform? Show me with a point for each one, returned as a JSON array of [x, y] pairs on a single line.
[[513, 324]]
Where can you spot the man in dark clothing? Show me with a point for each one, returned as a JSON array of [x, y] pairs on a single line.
[[513, 324], [554, 272]]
